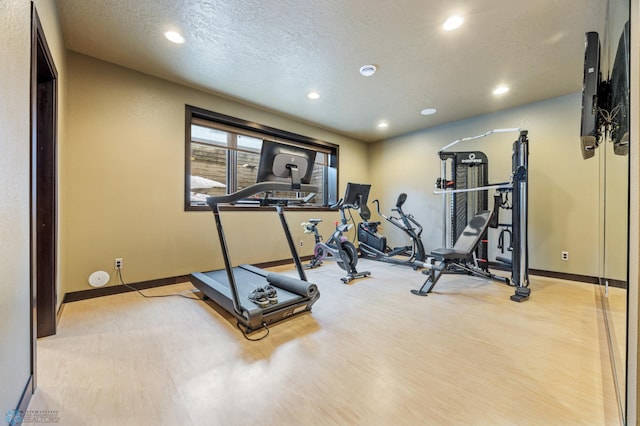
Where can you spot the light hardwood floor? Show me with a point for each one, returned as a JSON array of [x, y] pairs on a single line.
[[370, 353]]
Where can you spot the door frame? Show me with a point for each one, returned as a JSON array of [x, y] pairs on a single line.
[[43, 187]]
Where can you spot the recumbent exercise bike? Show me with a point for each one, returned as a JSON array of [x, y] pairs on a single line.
[[374, 246]]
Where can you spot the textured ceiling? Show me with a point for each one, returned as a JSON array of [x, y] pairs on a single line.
[[272, 53]]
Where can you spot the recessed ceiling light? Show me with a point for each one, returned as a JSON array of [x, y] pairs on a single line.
[[383, 125], [368, 70], [313, 95], [428, 111], [501, 90], [174, 37], [453, 22]]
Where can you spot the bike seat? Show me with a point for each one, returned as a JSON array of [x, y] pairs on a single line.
[[315, 221]]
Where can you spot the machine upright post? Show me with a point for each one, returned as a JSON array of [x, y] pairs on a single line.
[[520, 263], [445, 205], [524, 210]]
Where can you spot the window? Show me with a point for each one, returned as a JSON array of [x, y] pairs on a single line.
[[222, 156]]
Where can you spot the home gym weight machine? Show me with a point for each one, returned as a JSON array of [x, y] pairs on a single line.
[[463, 255], [468, 169]]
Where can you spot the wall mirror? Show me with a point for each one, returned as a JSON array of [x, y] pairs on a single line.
[[614, 193]]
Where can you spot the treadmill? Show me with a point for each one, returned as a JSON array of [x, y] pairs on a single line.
[[230, 287]]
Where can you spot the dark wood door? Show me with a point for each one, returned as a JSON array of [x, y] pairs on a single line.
[[43, 183]]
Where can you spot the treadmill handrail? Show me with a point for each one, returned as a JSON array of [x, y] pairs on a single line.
[[257, 188]]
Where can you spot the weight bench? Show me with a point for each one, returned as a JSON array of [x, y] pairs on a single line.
[[459, 258]]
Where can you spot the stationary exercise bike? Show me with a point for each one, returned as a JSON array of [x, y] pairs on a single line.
[[311, 227], [337, 246], [374, 246]]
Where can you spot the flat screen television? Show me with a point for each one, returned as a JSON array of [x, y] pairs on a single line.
[[589, 126], [287, 163], [619, 95]]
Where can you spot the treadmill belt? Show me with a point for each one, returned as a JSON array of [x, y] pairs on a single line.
[[246, 282]]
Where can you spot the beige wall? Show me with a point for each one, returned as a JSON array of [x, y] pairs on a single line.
[[15, 343], [563, 198], [123, 158], [15, 68], [123, 179]]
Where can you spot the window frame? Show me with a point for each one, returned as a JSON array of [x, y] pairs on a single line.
[[254, 128]]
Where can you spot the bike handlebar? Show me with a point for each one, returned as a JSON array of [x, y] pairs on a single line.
[[377, 203], [341, 205], [400, 222], [338, 204]]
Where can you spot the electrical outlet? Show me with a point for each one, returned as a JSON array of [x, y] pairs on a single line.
[[118, 263], [564, 255]]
